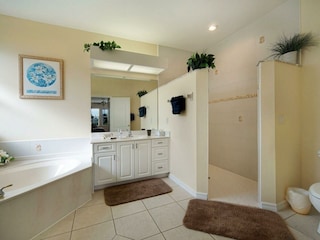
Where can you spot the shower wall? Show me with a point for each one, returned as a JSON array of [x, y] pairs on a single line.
[[233, 89]]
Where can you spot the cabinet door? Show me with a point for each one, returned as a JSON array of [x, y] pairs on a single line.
[[125, 160], [142, 159], [104, 168]]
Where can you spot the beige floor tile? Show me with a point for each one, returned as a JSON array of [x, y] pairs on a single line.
[[300, 236], [185, 233], [306, 224], [168, 216], [63, 226], [217, 237], [120, 238], [169, 182], [127, 209], [155, 237], [87, 216], [179, 194], [286, 213], [157, 201], [97, 198], [136, 226], [64, 236], [102, 231], [184, 203]]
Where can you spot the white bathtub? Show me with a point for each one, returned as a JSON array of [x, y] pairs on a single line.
[[28, 175], [43, 192]]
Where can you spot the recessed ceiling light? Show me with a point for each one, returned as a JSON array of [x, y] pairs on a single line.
[[212, 28]]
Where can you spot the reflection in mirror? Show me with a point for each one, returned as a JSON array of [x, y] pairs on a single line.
[[106, 91], [100, 108]]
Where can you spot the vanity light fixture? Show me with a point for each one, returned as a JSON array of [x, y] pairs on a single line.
[[212, 28], [119, 60]]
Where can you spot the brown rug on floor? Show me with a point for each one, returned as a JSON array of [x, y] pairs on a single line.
[[235, 221], [135, 191]]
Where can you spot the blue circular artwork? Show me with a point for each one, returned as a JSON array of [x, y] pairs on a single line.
[[41, 75]]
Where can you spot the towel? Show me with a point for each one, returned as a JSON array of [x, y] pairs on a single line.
[[142, 111], [178, 104]]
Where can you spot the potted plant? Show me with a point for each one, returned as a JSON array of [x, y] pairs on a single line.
[[141, 93], [102, 45], [288, 48], [203, 60]]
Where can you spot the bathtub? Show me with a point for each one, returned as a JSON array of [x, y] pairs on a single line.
[[28, 175], [42, 193]]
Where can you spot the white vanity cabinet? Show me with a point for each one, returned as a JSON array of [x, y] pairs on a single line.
[[133, 159], [160, 156], [125, 160], [104, 159]]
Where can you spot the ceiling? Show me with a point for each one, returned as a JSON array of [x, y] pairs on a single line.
[[181, 24]]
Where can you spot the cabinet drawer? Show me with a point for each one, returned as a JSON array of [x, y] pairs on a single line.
[[160, 167], [159, 153], [160, 142], [104, 147]]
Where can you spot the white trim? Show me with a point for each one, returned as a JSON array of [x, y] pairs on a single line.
[[275, 206], [259, 135], [191, 191]]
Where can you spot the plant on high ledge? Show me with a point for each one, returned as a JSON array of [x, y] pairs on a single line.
[[203, 60], [141, 93], [102, 45], [292, 44]]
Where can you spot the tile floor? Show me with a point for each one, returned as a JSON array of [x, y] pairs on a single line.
[[160, 218]]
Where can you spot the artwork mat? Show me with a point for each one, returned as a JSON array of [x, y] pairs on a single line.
[[35, 92]]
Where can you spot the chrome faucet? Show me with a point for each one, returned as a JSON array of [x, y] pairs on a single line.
[[129, 133], [2, 192]]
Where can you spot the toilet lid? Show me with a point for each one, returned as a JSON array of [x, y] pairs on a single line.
[[315, 190]]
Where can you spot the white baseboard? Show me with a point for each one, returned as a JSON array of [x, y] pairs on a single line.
[[274, 206], [191, 191]]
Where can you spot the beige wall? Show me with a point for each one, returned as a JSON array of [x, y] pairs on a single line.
[[279, 129], [233, 87], [177, 63], [188, 131], [310, 22], [26, 119]]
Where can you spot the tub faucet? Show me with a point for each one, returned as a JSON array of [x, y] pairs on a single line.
[[2, 192]]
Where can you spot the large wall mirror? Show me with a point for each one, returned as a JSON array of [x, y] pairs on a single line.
[[115, 104]]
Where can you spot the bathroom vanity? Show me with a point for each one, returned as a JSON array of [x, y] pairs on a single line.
[[121, 159]]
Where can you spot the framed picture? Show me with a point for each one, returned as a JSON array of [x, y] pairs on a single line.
[[41, 77]]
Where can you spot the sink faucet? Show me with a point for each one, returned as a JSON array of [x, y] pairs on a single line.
[[2, 192], [129, 133], [120, 133]]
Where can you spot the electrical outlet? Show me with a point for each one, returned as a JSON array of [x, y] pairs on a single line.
[[38, 148]]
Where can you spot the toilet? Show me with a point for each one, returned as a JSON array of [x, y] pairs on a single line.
[[314, 195]]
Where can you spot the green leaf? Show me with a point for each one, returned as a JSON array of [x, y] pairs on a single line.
[[102, 45]]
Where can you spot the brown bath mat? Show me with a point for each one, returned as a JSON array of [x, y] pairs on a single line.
[[235, 221], [135, 191]]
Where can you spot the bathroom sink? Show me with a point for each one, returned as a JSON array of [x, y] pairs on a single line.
[[125, 138]]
